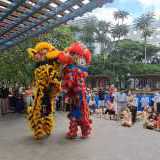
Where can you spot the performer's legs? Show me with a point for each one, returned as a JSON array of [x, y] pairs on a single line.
[[85, 129], [73, 128]]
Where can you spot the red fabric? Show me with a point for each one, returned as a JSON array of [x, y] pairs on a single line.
[[76, 48], [74, 82], [87, 55], [80, 50], [65, 59]]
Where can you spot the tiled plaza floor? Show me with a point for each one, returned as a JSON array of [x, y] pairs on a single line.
[[109, 141]]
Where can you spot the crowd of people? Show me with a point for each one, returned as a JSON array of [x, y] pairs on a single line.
[[108, 103], [14, 99], [125, 106]]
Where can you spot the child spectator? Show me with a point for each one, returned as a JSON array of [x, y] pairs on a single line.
[[111, 108], [127, 119], [92, 104]]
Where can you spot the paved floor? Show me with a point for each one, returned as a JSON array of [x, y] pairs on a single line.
[[109, 141]]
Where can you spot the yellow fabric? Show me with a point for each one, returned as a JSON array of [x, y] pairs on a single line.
[[42, 45], [52, 54], [31, 52]]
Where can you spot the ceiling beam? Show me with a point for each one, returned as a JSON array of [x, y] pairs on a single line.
[[41, 4], [88, 7], [50, 15], [12, 9]]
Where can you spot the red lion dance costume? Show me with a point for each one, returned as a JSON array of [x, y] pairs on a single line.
[[74, 87]]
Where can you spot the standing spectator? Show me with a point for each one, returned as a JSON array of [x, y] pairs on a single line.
[[131, 105], [1, 88], [20, 104], [88, 96], [12, 100], [145, 101], [67, 104], [28, 96], [4, 100], [101, 95], [56, 103], [156, 100], [121, 99], [20, 90], [96, 97], [112, 90]]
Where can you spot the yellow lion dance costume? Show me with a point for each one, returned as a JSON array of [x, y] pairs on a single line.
[[47, 76]]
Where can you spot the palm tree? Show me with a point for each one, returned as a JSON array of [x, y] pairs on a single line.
[[101, 35], [120, 15], [143, 24], [96, 31], [87, 35], [119, 31]]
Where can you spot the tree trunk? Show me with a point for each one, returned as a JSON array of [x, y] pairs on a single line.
[[145, 50]]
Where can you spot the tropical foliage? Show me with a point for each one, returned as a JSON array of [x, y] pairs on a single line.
[[117, 56], [15, 64]]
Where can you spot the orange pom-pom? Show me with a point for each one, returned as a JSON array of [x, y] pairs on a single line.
[[87, 55]]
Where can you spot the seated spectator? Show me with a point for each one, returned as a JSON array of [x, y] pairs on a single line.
[[157, 122], [149, 119], [127, 118], [145, 115]]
